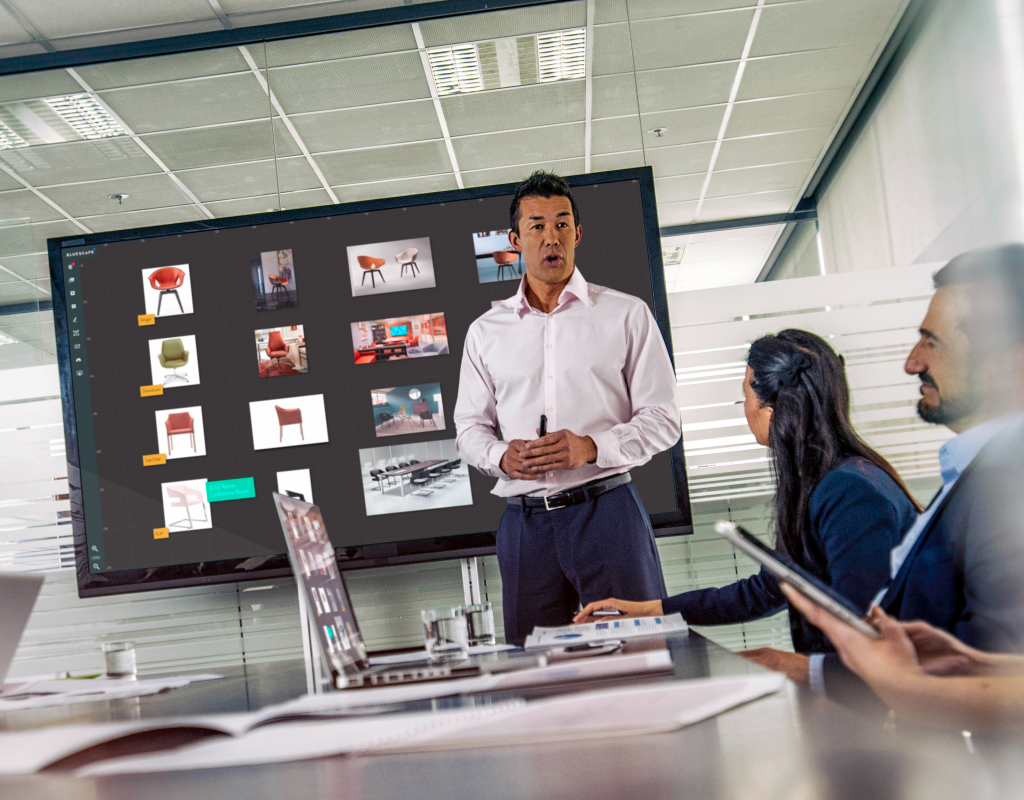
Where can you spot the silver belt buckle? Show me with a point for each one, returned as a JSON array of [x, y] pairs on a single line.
[[549, 507]]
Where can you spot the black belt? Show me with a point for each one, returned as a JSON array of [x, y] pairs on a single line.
[[572, 497]]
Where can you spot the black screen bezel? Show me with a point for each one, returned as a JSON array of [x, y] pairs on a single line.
[[360, 557]]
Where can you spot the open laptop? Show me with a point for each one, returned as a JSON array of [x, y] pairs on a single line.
[[17, 597], [315, 568]]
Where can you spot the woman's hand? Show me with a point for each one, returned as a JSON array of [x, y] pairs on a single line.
[[941, 653], [647, 608]]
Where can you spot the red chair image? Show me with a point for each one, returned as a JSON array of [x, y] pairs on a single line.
[[289, 416], [371, 265], [365, 358], [407, 258], [177, 424], [276, 349], [186, 497], [506, 260], [167, 281], [279, 285]]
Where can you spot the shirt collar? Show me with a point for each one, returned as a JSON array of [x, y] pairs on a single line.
[[576, 287], [956, 454]]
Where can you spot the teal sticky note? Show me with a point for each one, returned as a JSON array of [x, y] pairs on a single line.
[[233, 489]]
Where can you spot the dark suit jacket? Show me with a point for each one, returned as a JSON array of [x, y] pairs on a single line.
[[965, 573], [858, 514]]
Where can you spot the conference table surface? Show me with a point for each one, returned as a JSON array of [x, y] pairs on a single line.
[[787, 745]]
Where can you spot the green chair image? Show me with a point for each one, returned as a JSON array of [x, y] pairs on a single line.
[[173, 355]]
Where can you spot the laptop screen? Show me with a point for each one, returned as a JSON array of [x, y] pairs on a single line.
[[313, 563]]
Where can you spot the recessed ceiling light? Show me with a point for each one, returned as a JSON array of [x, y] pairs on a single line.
[[670, 256], [9, 138], [5, 339], [87, 117], [456, 69], [562, 55]]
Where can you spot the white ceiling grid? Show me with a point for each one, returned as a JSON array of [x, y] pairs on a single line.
[[747, 94]]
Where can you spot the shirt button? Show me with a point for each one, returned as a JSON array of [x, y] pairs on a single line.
[[550, 377], [551, 474], [549, 347], [551, 408]]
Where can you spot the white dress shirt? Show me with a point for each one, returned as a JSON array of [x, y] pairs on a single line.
[[596, 365]]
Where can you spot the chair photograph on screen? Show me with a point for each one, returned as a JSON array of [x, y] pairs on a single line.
[[399, 266], [185, 505], [496, 260], [401, 410], [281, 351], [414, 477], [273, 280], [180, 433], [296, 483], [174, 362], [415, 336], [288, 422], [167, 291]]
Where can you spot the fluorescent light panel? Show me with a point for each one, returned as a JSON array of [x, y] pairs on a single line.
[[456, 69], [8, 140], [562, 55], [86, 116]]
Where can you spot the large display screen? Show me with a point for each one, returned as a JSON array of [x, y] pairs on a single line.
[[315, 353]]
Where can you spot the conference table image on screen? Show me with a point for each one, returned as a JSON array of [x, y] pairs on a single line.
[[791, 744]]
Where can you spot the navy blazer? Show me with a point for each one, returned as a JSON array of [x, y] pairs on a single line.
[[965, 573], [858, 514]]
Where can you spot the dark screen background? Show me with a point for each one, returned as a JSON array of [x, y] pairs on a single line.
[[613, 253]]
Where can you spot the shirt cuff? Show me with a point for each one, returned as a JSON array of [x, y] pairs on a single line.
[[494, 455], [609, 454], [816, 673]]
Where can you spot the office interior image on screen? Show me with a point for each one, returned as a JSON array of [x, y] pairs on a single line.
[[414, 336], [496, 259], [188, 422]]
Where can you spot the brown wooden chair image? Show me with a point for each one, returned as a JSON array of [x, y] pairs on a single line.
[[371, 265], [289, 416], [178, 424], [506, 260], [276, 349], [279, 285]]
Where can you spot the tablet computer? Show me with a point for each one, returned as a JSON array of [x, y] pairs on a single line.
[[797, 577]]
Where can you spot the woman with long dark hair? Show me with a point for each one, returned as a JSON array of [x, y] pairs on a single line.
[[839, 506]]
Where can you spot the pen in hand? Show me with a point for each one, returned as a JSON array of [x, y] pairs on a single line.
[[543, 431]]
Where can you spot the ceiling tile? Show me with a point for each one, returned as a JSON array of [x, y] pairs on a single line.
[[681, 188], [368, 127], [676, 213], [56, 18], [685, 87], [773, 148], [381, 163], [681, 159], [249, 180], [683, 126], [615, 135], [7, 182], [800, 73], [748, 205], [499, 24], [820, 109], [246, 205], [651, 9], [617, 161], [30, 85], [224, 144], [492, 177], [79, 161], [345, 44], [612, 53], [354, 82], [19, 50], [311, 198], [820, 24], [506, 109], [11, 31], [147, 191], [606, 11], [143, 219], [61, 228], [397, 188], [31, 266], [757, 244], [23, 204], [187, 104], [760, 179], [520, 147], [614, 95], [139, 71], [15, 292], [699, 39]]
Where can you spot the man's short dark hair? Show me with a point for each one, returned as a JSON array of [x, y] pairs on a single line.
[[541, 184], [997, 268]]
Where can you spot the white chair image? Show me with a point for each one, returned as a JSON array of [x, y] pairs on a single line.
[[407, 258]]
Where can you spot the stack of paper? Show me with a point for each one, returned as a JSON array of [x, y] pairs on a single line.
[[603, 631]]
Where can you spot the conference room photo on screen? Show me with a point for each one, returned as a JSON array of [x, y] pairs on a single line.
[[398, 266], [496, 259], [414, 477], [297, 483], [185, 505], [273, 280], [401, 410], [167, 290], [179, 432], [281, 351], [415, 336], [174, 362], [288, 422]]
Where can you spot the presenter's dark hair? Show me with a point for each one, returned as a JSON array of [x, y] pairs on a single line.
[[1001, 269], [541, 184], [804, 381]]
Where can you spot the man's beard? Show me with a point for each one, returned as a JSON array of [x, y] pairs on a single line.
[[948, 409]]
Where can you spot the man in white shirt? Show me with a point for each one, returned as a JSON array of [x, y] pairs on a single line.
[[592, 361]]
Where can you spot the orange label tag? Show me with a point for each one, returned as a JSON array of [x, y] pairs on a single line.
[[147, 319], [151, 391], [154, 460], [161, 533]]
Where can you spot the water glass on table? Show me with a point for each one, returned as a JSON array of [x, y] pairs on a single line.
[[445, 633]]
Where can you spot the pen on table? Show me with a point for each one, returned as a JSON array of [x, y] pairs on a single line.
[[543, 425]]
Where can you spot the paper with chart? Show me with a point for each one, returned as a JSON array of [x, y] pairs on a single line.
[[606, 629]]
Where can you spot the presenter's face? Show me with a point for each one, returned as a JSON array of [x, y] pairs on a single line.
[[758, 417], [547, 238]]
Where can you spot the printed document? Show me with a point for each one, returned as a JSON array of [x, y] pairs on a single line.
[[612, 628]]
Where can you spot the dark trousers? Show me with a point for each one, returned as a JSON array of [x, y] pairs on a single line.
[[551, 561]]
